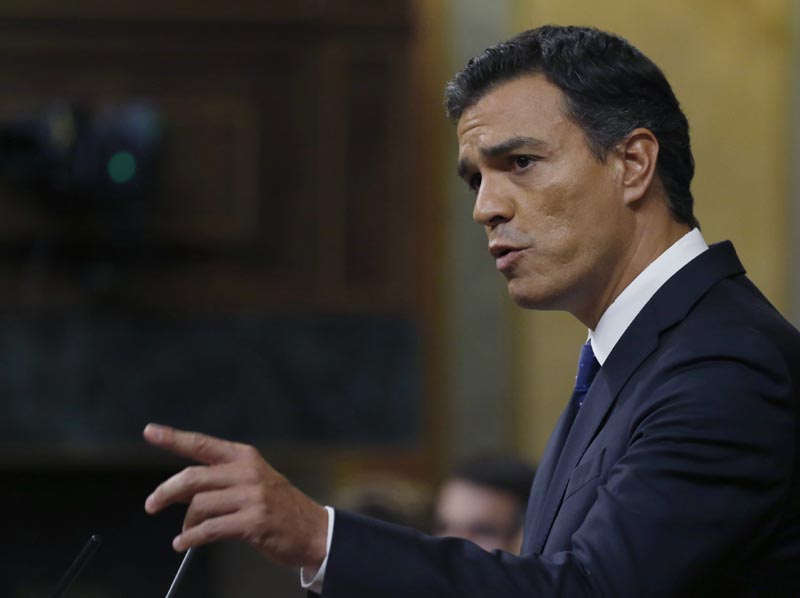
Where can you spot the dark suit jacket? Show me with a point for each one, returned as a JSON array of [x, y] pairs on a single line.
[[678, 477]]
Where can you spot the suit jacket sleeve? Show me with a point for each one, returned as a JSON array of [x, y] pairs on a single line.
[[701, 483]]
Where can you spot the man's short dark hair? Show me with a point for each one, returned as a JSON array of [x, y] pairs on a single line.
[[500, 472], [610, 87]]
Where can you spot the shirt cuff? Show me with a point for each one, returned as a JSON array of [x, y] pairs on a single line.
[[315, 583]]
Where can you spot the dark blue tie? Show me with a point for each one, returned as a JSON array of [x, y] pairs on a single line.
[[588, 367]]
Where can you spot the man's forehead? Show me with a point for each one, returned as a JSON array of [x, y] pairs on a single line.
[[526, 106]]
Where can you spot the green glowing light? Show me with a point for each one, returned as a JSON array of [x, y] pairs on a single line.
[[121, 167]]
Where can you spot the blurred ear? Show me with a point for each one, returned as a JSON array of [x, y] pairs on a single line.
[[639, 154]]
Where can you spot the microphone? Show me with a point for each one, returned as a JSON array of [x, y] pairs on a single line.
[[173, 588], [77, 566]]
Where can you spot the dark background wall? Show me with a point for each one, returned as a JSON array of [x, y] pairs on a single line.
[[210, 216]]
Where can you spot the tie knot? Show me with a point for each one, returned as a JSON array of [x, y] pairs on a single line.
[[588, 366]]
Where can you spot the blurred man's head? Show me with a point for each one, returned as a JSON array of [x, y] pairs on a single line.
[[484, 500]]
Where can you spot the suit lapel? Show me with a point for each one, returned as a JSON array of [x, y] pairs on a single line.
[[585, 427], [668, 306], [544, 476]]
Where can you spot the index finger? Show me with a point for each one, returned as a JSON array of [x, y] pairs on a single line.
[[193, 445]]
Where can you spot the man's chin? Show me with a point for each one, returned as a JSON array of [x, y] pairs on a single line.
[[528, 297]]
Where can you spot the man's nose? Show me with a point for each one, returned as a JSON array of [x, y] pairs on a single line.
[[493, 205]]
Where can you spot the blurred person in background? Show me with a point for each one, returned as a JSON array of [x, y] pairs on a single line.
[[483, 500]]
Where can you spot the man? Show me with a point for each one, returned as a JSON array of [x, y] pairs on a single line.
[[674, 469], [483, 500]]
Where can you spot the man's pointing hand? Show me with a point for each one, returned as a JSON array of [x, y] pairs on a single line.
[[235, 494]]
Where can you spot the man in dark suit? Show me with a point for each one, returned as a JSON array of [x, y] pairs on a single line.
[[675, 468]]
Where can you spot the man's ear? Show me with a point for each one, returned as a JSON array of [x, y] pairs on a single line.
[[639, 154]]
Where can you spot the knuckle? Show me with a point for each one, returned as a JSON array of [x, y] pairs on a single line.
[[191, 477], [212, 530], [250, 453], [198, 508], [251, 475], [199, 442]]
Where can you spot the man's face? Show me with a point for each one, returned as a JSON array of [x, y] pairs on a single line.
[[490, 518], [554, 214]]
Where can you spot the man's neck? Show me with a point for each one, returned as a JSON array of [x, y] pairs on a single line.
[[646, 246]]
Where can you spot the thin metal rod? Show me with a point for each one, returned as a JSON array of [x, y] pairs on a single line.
[[77, 566], [179, 575]]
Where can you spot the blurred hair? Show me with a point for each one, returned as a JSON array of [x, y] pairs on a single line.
[[500, 472], [610, 89]]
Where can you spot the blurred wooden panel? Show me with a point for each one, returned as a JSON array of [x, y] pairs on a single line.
[[287, 175], [344, 12], [283, 163], [210, 189], [269, 293], [368, 232]]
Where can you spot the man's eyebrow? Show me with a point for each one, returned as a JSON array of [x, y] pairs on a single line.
[[509, 145]]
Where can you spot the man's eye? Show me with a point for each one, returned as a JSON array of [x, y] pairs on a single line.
[[475, 181], [522, 161]]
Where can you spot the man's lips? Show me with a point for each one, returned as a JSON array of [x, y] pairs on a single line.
[[505, 255]]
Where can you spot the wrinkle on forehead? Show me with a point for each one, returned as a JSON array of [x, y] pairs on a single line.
[[528, 106]]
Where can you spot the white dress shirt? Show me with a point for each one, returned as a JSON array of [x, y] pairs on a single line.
[[619, 315], [315, 583], [612, 325]]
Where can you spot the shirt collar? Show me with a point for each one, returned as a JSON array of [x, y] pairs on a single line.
[[619, 315]]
